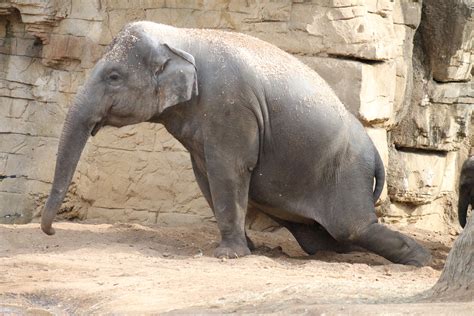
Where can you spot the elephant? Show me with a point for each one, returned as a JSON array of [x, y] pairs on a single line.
[[263, 130], [466, 190]]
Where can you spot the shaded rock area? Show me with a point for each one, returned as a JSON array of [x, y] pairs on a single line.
[[402, 67], [450, 23]]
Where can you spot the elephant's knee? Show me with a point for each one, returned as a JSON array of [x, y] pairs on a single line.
[[353, 233], [343, 235]]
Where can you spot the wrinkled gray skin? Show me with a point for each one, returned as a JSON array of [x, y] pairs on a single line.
[[263, 131], [466, 190]]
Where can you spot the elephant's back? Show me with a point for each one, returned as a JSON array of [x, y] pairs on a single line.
[[267, 59], [288, 82]]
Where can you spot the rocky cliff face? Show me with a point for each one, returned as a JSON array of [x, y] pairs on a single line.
[[402, 67]]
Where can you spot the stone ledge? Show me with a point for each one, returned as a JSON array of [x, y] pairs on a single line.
[[418, 177], [434, 126]]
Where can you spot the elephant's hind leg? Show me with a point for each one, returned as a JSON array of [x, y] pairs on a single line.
[[355, 222], [390, 244]]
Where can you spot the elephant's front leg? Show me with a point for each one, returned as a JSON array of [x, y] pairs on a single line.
[[231, 154], [203, 183], [229, 198]]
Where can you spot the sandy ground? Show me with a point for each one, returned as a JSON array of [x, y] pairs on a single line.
[[131, 268]]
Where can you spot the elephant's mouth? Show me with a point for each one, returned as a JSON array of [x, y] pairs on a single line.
[[100, 124], [97, 127]]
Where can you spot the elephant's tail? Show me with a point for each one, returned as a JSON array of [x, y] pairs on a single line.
[[379, 176]]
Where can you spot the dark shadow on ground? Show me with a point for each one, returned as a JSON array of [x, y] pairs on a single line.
[[195, 240]]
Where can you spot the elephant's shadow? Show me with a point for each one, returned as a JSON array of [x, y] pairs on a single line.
[[183, 242]]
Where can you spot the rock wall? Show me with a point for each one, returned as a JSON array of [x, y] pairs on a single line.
[[402, 67]]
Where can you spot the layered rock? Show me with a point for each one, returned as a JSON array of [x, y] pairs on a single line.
[[432, 137], [402, 67]]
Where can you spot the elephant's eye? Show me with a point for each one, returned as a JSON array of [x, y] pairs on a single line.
[[114, 76], [114, 79], [161, 67]]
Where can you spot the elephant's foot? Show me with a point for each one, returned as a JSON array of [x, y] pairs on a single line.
[[418, 256], [231, 251]]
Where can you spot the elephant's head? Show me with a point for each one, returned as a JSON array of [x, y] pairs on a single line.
[[137, 79]]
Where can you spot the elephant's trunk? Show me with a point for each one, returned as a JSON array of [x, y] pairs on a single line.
[[463, 205], [75, 133]]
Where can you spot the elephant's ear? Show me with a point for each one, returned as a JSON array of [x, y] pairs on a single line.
[[176, 78]]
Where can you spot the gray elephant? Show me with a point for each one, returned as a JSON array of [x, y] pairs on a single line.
[[263, 131], [466, 190]]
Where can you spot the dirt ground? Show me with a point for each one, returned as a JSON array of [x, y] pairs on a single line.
[[146, 269]]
